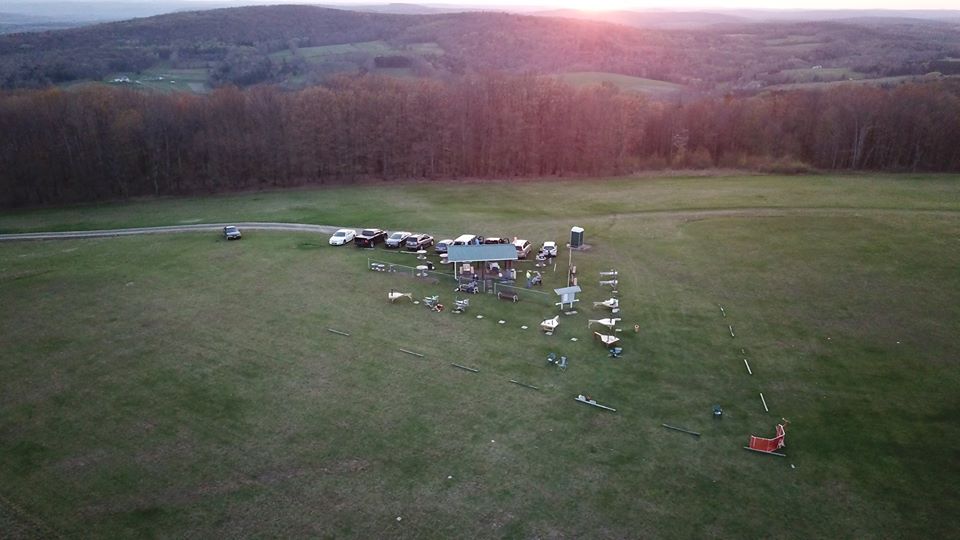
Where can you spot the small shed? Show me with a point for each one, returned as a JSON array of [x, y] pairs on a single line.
[[482, 253]]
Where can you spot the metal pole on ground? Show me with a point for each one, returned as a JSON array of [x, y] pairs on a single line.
[[466, 368], [668, 426], [524, 384]]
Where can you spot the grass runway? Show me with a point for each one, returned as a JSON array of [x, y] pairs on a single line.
[[186, 386]]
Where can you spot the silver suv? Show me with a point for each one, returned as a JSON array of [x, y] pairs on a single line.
[[231, 233]]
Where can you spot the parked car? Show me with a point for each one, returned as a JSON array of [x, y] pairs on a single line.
[[370, 237], [231, 233], [397, 239], [523, 248], [441, 246], [468, 240], [496, 240], [418, 241], [549, 249], [343, 236]]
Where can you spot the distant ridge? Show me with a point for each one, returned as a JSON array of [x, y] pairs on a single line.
[[841, 14], [301, 45], [649, 19], [397, 8]]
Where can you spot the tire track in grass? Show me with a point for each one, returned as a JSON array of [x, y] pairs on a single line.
[[692, 213], [19, 523]]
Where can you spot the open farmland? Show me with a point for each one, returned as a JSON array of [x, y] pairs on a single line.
[[807, 75], [163, 80], [623, 82], [324, 52], [181, 385]]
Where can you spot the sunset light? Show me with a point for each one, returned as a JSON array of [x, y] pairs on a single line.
[[558, 269]]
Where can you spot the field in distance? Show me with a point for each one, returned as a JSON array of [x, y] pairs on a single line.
[[623, 82], [160, 79], [181, 385]]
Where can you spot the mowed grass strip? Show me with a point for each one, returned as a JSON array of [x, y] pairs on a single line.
[[528, 208], [183, 385]]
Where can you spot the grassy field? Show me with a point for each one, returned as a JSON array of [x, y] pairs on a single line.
[[164, 80], [343, 58], [808, 75], [797, 44], [333, 58], [323, 53], [879, 81], [185, 386], [624, 82]]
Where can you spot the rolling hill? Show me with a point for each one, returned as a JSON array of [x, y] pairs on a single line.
[[303, 45]]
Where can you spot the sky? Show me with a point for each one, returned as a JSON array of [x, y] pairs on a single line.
[[591, 5], [665, 5], [700, 4]]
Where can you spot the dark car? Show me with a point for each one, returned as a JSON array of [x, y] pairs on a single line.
[[496, 240], [441, 246], [417, 242], [398, 239], [370, 237]]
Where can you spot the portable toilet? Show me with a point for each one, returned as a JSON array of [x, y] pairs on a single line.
[[576, 237]]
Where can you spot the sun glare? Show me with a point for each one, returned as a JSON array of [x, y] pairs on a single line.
[[593, 6], [599, 5], [684, 5]]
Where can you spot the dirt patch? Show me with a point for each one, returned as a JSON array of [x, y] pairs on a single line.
[[186, 495], [218, 488], [27, 274], [350, 466], [75, 463], [277, 476], [181, 449], [15, 522], [601, 420]]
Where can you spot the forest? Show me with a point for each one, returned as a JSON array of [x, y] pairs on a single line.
[[104, 143]]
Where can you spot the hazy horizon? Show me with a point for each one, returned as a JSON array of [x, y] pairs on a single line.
[[586, 5], [38, 15]]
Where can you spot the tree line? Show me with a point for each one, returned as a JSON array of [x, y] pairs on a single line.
[[105, 143]]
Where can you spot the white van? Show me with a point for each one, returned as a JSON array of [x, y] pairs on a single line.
[[467, 240]]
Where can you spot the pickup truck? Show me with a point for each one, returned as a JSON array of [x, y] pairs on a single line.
[[369, 238]]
